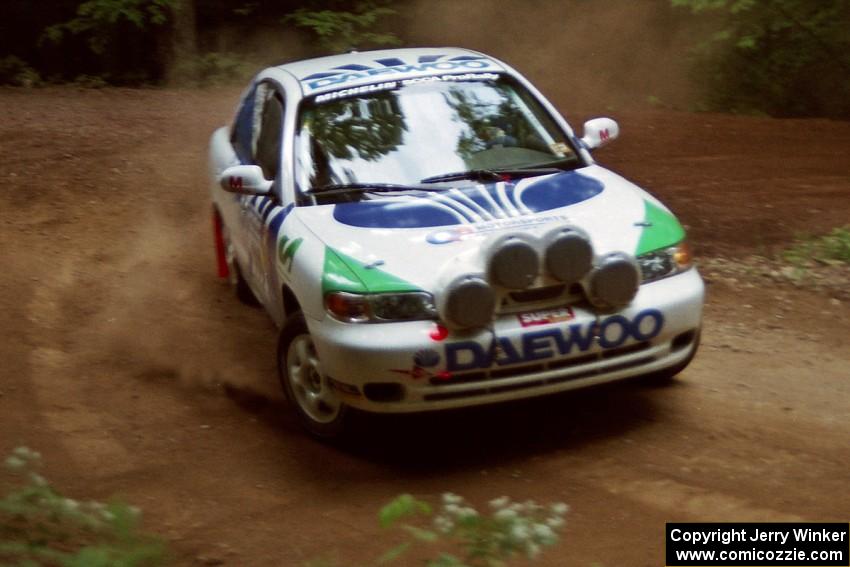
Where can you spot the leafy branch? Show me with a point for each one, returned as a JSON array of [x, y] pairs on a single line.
[[783, 57], [339, 30], [99, 19]]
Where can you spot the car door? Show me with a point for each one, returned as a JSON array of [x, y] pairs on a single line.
[[266, 153]]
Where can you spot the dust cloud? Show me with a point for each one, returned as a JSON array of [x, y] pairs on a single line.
[[170, 320], [585, 55]]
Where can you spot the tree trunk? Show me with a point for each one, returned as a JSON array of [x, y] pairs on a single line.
[[182, 67]]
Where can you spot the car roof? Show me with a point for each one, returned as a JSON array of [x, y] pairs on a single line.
[[361, 67]]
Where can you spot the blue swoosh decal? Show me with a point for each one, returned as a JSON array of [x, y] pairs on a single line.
[[553, 192]]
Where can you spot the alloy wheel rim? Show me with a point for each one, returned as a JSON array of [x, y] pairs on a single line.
[[310, 387]]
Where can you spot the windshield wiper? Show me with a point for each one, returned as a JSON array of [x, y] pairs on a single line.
[[496, 174], [343, 188]]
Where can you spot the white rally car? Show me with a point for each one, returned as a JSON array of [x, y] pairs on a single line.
[[429, 233]]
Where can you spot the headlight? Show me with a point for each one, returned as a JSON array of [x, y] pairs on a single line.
[[380, 307], [664, 262]]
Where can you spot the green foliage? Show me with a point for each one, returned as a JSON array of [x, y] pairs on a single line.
[[210, 69], [218, 68], [99, 20], [90, 82], [780, 57], [403, 506], [14, 71], [831, 248], [40, 526], [512, 530], [340, 30]]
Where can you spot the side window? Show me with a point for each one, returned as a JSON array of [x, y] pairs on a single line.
[[268, 137], [243, 128]]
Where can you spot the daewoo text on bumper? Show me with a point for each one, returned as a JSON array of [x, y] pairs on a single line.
[[418, 366]]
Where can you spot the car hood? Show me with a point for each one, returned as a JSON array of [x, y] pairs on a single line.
[[422, 240]]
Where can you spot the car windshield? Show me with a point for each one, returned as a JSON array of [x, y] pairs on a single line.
[[414, 132]]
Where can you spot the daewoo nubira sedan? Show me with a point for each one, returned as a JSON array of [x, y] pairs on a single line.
[[428, 233]]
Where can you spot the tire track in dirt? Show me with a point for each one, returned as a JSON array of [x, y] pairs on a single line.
[[674, 498], [55, 383]]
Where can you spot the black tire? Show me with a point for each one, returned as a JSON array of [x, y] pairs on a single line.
[[665, 376], [242, 289], [237, 282], [315, 401]]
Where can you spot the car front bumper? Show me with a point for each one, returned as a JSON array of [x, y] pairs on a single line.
[[408, 367]]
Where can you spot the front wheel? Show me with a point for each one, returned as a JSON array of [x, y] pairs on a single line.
[[316, 402]]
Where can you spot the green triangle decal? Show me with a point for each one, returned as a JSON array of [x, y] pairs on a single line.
[[662, 230], [344, 273]]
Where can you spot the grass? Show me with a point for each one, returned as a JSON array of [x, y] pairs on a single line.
[[41, 526], [831, 249]]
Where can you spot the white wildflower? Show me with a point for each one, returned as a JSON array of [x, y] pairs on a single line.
[[505, 515], [543, 532], [520, 532], [450, 498], [15, 463], [500, 502], [70, 505], [26, 454], [560, 508], [38, 480], [532, 550], [443, 524], [467, 512], [555, 522], [452, 509]]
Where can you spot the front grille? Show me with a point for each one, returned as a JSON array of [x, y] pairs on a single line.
[[541, 298], [517, 371], [537, 294], [637, 347]]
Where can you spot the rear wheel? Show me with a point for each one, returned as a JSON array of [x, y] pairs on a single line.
[[316, 402]]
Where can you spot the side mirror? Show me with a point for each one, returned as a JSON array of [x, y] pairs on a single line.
[[599, 131], [245, 179]]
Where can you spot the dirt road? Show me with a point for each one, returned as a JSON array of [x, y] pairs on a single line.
[[136, 373]]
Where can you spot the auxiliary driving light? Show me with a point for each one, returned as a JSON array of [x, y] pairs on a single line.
[[512, 262], [469, 302], [569, 255], [614, 282]]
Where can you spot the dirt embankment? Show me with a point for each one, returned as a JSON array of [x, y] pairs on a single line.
[[135, 372]]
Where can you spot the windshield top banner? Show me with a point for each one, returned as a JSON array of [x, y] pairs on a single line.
[[420, 69], [390, 85]]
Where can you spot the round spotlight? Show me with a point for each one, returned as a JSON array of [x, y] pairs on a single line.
[[615, 281], [569, 255], [513, 262], [470, 302]]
